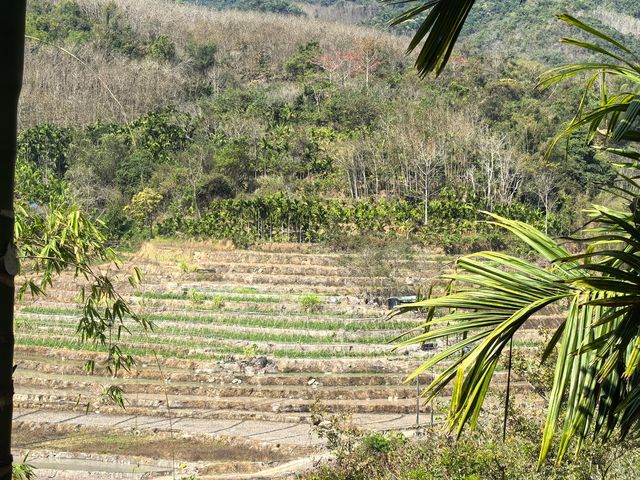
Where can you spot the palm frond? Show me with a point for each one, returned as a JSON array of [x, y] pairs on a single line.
[[494, 294], [617, 113], [596, 383], [438, 32]]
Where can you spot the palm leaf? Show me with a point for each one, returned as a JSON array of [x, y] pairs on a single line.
[[494, 294], [596, 384], [437, 33], [597, 33]]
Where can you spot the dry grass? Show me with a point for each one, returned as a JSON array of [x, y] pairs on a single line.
[[59, 89], [238, 31]]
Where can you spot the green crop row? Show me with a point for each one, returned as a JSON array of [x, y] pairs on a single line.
[[205, 335], [220, 354], [252, 321], [197, 295]]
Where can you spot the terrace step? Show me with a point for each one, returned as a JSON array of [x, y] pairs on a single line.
[[344, 332], [202, 313], [190, 406], [335, 364], [265, 427], [160, 253], [313, 282], [218, 343], [80, 398], [178, 296], [308, 269], [311, 389], [29, 366]]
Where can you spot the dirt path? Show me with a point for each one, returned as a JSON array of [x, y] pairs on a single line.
[[285, 470], [287, 433], [288, 436]]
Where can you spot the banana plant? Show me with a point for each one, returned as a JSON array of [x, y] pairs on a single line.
[[596, 386]]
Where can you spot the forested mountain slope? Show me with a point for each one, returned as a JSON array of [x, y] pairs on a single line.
[[525, 28], [513, 26], [286, 126]]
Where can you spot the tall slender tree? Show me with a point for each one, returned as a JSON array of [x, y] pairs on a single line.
[[12, 23]]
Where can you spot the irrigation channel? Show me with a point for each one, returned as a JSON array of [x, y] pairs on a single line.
[[247, 345]]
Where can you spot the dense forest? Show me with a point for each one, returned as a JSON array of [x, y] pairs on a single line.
[[183, 120]]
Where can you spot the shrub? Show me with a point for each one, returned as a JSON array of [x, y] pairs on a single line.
[[186, 267], [274, 6], [56, 22], [201, 56], [475, 456], [303, 61], [46, 145], [376, 443], [162, 49], [114, 33], [196, 297], [311, 303], [217, 302], [144, 207]]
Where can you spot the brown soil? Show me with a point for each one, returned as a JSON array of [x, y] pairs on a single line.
[[157, 446]]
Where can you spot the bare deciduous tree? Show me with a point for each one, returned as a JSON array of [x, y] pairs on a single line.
[[545, 186]]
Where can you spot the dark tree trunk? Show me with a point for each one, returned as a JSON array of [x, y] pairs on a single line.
[[11, 61]]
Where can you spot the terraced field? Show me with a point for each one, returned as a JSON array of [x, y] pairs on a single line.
[[246, 345]]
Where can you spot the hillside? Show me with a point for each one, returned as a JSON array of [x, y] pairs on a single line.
[[328, 126], [521, 28], [245, 50], [525, 28], [144, 75], [273, 173]]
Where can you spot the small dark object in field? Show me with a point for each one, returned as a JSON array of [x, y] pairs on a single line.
[[393, 302], [261, 362]]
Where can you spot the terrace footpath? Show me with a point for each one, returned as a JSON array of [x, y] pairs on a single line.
[[282, 433]]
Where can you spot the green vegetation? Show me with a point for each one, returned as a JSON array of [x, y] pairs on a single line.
[[67, 22], [221, 352], [281, 217], [489, 451], [52, 235], [196, 297], [475, 456], [201, 296], [186, 267], [329, 138], [306, 142], [143, 207], [217, 302], [24, 470], [595, 382], [311, 303], [326, 321]]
